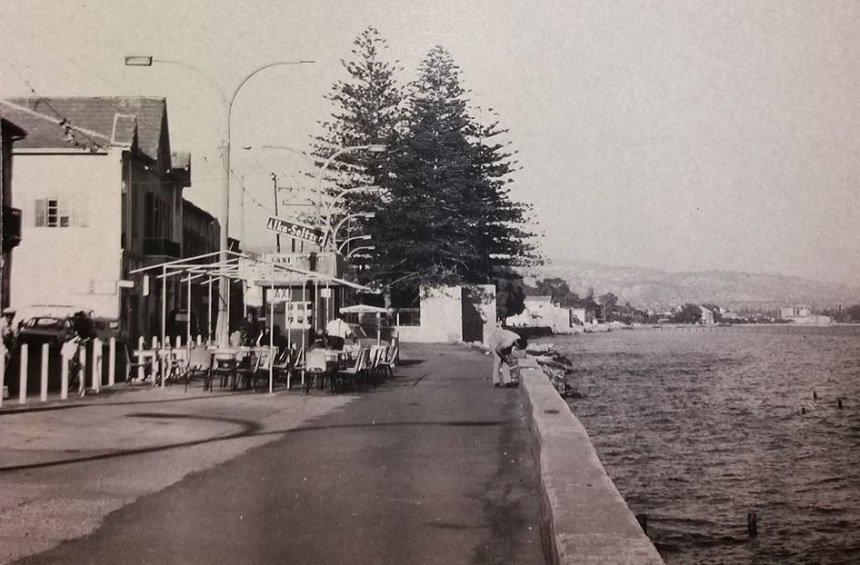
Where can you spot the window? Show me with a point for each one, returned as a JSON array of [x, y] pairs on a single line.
[[61, 213]]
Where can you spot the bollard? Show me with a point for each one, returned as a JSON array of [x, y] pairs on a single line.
[[96, 369], [838, 402], [22, 374], [643, 522], [64, 375], [814, 395], [752, 524], [112, 362], [43, 384], [803, 409]]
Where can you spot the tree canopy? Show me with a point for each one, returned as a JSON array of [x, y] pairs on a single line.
[[446, 216]]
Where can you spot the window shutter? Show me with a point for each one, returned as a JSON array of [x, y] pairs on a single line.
[[41, 212]]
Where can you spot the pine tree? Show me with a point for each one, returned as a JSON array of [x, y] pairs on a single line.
[[366, 111], [449, 219]]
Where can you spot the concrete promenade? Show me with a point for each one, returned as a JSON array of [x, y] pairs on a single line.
[[434, 466]]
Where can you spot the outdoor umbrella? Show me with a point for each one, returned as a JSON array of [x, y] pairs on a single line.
[[367, 309]]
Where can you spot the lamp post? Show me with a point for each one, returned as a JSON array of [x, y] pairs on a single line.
[[373, 148], [364, 237], [362, 248], [347, 218], [224, 215], [329, 209]]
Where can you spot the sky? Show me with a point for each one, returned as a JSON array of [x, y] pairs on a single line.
[[673, 135]]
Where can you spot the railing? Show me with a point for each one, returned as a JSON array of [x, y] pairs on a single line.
[[407, 317], [161, 246]]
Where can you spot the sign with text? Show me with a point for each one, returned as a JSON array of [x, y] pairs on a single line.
[[295, 230]]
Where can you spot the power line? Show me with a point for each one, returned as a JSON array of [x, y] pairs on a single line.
[[63, 122]]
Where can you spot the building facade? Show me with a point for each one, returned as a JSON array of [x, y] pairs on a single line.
[[10, 222], [99, 196]]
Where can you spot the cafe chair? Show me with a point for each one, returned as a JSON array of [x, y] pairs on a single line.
[[262, 365], [199, 364], [388, 362], [224, 366], [354, 373]]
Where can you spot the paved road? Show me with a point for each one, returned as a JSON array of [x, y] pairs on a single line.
[[432, 467]]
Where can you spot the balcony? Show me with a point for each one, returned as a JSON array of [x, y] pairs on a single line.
[[11, 227], [161, 246]]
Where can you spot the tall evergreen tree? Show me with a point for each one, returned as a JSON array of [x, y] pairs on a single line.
[[449, 219], [366, 110]]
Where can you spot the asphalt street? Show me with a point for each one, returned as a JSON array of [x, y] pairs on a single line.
[[433, 466]]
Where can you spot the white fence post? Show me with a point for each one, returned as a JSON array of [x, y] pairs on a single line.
[[22, 374], [96, 369], [140, 359], [43, 384], [112, 362], [82, 371], [64, 375], [2, 373]]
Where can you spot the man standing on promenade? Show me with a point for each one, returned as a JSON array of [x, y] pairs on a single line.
[[502, 342]]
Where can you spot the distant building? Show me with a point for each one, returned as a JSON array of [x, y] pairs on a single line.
[[539, 311], [11, 219], [792, 312], [100, 196], [802, 315], [581, 316], [707, 317]]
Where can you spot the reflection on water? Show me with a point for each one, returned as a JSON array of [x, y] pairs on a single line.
[[697, 428]]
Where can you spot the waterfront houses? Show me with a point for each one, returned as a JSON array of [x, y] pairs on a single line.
[[100, 195]]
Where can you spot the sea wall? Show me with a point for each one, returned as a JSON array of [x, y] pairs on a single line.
[[583, 516]]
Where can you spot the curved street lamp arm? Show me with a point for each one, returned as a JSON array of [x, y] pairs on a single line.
[[362, 248], [208, 78], [345, 219], [364, 237], [262, 68]]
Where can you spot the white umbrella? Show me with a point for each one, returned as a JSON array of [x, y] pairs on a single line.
[[367, 309], [363, 309]]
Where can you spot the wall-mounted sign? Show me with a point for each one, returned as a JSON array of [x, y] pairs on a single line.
[[295, 230]]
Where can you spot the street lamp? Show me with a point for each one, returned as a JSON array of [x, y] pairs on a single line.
[[364, 237], [224, 216], [367, 215], [329, 209], [362, 248], [373, 148]]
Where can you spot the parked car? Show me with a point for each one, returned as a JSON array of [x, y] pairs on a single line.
[[37, 330]]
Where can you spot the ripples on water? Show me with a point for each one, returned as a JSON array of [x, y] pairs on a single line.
[[697, 428]]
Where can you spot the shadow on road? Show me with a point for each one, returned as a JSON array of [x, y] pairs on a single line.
[[249, 429]]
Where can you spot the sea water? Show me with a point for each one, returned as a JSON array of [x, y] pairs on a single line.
[[699, 427]]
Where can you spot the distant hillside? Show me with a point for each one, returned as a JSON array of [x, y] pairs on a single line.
[[657, 289]]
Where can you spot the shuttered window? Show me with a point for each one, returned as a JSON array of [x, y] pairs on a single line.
[[62, 213]]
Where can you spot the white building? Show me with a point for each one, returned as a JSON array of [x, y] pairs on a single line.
[[454, 314], [802, 315], [539, 311], [707, 317], [99, 197]]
